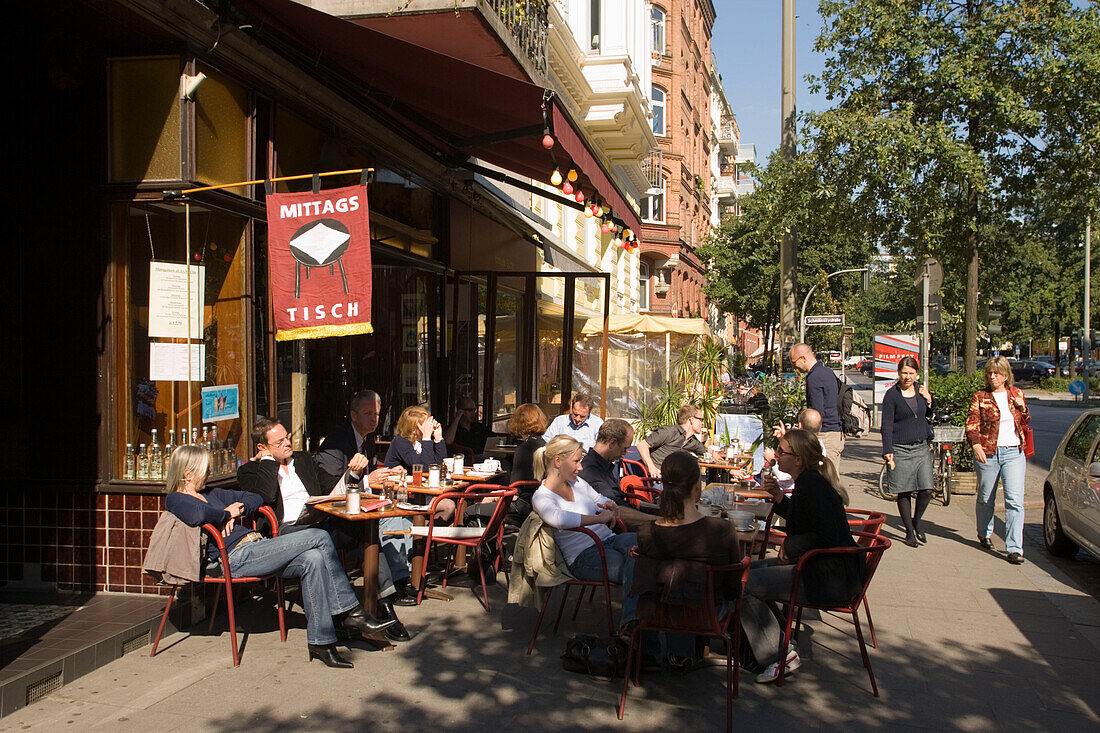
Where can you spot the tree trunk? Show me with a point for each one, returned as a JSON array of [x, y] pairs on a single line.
[[970, 338]]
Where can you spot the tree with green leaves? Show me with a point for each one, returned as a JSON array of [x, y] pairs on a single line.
[[951, 118]]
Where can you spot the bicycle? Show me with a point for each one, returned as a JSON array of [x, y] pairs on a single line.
[[944, 438]]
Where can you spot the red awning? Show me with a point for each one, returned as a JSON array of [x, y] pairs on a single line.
[[459, 108]]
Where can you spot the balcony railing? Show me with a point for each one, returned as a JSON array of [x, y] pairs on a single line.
[[527, 20], [651, 167]]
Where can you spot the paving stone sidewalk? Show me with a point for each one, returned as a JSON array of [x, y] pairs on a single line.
[[966, 642]]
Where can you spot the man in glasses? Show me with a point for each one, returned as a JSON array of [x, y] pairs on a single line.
[[579, 423], [822, 391], [286, 479], [466, 430], [687, 435]]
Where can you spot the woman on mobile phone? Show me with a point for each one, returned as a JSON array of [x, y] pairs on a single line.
[[906, 433]]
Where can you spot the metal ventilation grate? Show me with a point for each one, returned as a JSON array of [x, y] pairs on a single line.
[[38, 690], [135, 643]]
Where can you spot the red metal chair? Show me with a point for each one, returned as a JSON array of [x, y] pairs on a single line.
[[702, 621], [582, 584], [639, 489], [475, 537], [871, 546], [635, 468], [226, 583]]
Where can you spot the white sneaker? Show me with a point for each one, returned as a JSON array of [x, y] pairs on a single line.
[[771, 674]]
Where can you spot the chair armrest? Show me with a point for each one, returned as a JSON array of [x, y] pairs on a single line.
[[877, 543], [270, 514], [599, 545]]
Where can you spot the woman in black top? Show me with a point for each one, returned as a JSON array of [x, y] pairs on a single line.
[[681, 532], [528, 423], [905, 435], [815, 520]]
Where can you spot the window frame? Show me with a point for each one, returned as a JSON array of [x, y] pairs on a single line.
[[661, 104], [643, 285], [646, 206], [657, 29]]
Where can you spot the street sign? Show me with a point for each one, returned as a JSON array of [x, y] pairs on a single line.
[[851, 331], [1077, 387], [832, 320], [935, 274]]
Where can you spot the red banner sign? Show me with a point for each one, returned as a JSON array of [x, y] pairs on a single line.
[[319, 263]]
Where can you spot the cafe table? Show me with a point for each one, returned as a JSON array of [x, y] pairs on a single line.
[[338, 508]]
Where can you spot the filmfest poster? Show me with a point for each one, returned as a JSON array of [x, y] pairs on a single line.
[[319, 263], [889, 350]]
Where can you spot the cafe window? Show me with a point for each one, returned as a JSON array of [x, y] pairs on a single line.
[[150, 391], [221, 130], [145, 132], [643, 286]]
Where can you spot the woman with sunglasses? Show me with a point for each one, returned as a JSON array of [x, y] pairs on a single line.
[[307, 554], [815, 520]]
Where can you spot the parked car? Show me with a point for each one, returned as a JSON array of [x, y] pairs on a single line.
[[1045, 359], [851, 361], [1031, 371], [1071, 491], [866, 367]]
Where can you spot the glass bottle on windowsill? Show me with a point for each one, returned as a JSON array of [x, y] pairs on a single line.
[[143, 462], [129, 468], [156, 458], [169, 448]]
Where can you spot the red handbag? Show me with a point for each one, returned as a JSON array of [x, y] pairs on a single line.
[[1029, 441]]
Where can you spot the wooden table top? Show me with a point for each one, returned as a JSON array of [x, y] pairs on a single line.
[[475, 479], [338, 508]]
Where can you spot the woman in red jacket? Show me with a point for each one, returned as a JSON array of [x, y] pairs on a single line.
[[994, 427]]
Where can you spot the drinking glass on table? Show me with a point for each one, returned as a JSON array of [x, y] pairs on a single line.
[[417, 473]]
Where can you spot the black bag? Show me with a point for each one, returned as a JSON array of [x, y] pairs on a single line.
[[591, 655]]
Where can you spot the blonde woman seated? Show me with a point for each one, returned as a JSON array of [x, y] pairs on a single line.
[[307, 554], [419, 440], [565, 501]]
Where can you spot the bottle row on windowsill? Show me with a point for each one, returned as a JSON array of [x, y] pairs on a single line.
[[149, 461]]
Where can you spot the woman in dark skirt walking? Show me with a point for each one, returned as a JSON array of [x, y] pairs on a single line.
[[906, 432]]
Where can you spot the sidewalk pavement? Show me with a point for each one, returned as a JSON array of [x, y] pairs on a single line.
[[966, 642]]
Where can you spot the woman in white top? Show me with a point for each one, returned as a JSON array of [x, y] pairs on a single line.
[[565, 501], [994, 427]]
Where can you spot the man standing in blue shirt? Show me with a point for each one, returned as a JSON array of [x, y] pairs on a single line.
[[822, 391], [579, 423]]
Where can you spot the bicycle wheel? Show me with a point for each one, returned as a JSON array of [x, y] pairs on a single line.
[[947, 474]]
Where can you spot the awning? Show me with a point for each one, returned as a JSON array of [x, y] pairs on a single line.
[[639, 323], [461, 109]]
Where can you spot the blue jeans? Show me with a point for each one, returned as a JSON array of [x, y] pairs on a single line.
[[1010, 464], [307, 554], [620, 568], [396, 549]]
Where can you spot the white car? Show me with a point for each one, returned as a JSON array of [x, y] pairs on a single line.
[[851, 361], [1071, 492]]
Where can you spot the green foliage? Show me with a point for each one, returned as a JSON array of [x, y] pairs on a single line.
[[965, 131], [953, 393], [696, 379], [786, 398], [738, 364], [1061, 384]]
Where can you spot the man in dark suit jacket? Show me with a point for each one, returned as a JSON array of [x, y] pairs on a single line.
[[286, 479], [351, 446]]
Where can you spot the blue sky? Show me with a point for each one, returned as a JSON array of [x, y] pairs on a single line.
[[748, 43]]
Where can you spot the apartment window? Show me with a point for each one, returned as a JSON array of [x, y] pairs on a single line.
[[653, 205], [643, 286], [657, 24], [658, 95]]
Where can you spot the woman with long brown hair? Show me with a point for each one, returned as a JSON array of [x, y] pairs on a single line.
[[815, 520]]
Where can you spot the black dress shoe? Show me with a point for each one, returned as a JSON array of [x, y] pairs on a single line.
[[1015, 558], [359, 620], [386, 612], [405, 595], [921, 537], [327, 653]]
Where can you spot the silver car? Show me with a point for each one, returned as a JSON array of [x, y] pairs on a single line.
[[1071, 492]]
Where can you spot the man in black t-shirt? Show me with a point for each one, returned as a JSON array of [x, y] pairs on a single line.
[[687, 435], [465, 430]]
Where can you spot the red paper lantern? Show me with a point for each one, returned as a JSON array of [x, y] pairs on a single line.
[[567, 188], [579, 196], [547, 141]]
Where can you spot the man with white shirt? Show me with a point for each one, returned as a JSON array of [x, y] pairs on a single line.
[[579, 423], [286, 479]]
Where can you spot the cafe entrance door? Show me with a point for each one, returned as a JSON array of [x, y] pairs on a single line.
[[511, 338]]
